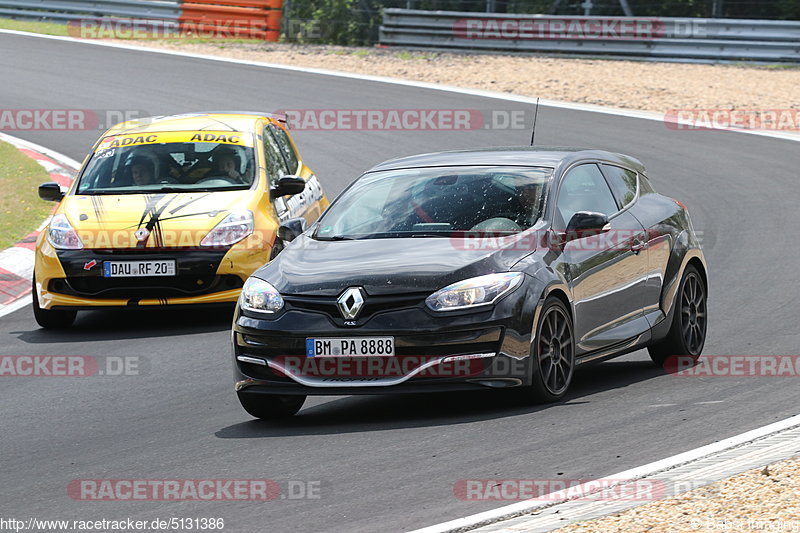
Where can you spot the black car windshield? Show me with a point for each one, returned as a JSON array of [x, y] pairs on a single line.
[[438, 201], [170, 161]]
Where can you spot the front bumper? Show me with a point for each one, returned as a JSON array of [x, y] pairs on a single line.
[[74, 279], [433, 351]]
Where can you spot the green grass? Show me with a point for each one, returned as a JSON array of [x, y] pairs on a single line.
[[47, 28], [21, 209]]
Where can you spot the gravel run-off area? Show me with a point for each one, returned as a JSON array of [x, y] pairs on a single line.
[[643, 85], [765, 499]]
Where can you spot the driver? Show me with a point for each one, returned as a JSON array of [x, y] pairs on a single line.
[[142, 171], [227, 163]]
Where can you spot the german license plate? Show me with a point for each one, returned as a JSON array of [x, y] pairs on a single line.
[[350, 347], [139, 269]]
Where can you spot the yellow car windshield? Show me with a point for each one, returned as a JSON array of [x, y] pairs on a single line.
[[143, 164]]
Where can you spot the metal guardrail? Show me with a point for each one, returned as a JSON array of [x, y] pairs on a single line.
[[658, 38], [79, 9]]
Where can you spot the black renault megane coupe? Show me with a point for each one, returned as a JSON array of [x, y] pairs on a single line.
[[495, 268]]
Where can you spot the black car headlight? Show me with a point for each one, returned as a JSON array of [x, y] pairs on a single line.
[[259, 296], [474, 292]]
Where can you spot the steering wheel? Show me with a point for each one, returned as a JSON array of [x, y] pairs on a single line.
[[220, 177]]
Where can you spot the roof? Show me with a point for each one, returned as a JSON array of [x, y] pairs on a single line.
[[216, 121], [538, 156]]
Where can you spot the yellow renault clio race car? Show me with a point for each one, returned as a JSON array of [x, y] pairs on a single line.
[[172, 211]]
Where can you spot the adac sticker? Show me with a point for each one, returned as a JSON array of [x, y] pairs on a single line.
[[211, 137], [127, 140], [219, 137]]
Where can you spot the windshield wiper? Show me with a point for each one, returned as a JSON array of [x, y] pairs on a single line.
[[172, 189], [414, 234], [335, 238]]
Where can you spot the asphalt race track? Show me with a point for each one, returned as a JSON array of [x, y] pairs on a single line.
[[385, 463]]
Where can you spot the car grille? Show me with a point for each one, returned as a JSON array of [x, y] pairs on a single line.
[[372, 304], [196, 274], [168, 287]]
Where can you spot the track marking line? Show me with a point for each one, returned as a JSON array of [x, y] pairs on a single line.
[[16, 305]]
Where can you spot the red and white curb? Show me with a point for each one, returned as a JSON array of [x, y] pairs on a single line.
[[16, 262]]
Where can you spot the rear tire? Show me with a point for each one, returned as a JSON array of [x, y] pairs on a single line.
[[552, 353], [687, 334], [50, 319], [270, 407]]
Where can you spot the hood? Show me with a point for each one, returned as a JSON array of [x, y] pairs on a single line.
[[383, 266], [172, 219]]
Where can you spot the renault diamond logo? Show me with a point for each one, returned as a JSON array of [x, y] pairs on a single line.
[[142, 234], [350, 302]]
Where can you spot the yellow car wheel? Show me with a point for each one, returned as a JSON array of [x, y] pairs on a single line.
[[50, 319]]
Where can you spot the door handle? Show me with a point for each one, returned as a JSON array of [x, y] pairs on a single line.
[[638, 246]]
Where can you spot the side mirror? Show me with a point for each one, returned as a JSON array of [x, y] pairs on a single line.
[[291, 229], [287, 185], [51, 192], [585, 224]]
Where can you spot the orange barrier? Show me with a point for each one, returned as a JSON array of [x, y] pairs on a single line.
[[243, 19]]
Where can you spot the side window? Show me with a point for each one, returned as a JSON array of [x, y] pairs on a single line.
[[286, 147], [584, 189], [622, 182], [645, 187], [276, 166]]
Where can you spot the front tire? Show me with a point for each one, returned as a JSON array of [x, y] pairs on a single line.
[[50, 319], [270, 407], [553, 353], [687, 334]]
